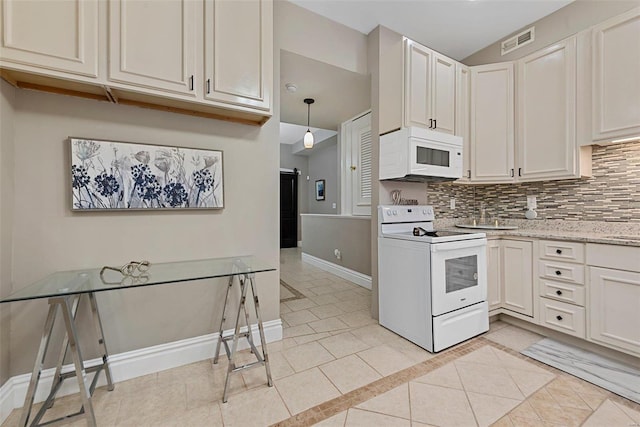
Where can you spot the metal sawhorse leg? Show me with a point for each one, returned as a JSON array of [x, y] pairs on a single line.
[[261, 359], [68, 305]]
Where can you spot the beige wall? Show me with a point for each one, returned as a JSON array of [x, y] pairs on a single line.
[[291, 161], [571, 19], [323, 164], [7, 99], [351, 235], [313, 36], [49, 237]]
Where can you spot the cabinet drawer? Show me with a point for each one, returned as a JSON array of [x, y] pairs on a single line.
[[614, 256], [566, 292], [562, 251], [562, 317], [565, 272]]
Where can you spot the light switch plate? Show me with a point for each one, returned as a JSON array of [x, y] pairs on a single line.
[[531, 203]]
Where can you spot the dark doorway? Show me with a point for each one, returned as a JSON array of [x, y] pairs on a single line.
[[289, 209]]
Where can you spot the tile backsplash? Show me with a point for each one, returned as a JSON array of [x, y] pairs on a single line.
[[611, 194]]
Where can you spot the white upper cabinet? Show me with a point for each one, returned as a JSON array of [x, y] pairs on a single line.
[[492, 122], [429, 89], [444, 94], [616, 81], [152, 44], [50, 37], [463, 88], [546, 122], [238, 52]]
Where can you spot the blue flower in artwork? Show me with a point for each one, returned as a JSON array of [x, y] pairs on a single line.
[[80, 176], [142, 174], [106, 185], [203, 179], [150, 190], [176, 194]]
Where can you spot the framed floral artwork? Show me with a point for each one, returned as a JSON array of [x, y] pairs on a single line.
[[110, 175]]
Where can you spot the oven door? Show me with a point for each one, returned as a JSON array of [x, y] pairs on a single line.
[[434, 158], [458, 274]]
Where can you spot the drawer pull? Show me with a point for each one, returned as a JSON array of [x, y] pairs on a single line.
[[558, 272], [558, 292], [559, 317], [559, 251]]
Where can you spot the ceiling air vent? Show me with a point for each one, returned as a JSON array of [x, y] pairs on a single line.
[[518, 41]]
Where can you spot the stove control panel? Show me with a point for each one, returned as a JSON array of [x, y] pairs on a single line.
[[401, 213]]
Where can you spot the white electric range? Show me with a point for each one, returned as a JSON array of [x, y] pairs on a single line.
[[432, 285]]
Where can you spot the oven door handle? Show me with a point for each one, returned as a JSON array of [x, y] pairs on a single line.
[[460, 244]]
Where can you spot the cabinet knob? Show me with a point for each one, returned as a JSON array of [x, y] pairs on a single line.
[[558, 292], [558, 272], [559, 251], [559, 317]]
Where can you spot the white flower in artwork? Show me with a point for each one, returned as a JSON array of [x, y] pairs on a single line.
[[85, 149]]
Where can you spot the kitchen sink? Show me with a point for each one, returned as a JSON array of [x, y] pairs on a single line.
[[488, 226]]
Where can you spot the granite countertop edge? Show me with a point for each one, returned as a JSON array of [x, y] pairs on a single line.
[[600, 234]]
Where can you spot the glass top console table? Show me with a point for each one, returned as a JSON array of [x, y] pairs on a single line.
[[65, 289]]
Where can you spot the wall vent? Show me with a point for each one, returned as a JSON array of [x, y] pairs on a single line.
[[517, 41]]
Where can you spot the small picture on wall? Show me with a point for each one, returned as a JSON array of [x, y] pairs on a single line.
[[320, 189], [109, 175]]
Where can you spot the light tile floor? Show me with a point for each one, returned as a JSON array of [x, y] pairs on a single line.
[[338, 367]]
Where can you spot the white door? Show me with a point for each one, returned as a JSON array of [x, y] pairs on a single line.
[[546, 142], [492, 122], [463, 82], [52, 35], [494, 291], [360, 141], [238, 52], [614, 308], [517, 276], [417, 85], [616, 85], [458, 274], [443, 94], [152, 44]]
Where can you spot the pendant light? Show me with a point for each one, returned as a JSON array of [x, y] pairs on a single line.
[[308, 136]]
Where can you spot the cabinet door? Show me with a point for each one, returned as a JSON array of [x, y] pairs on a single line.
[[517, 276], [238, 52], [614, 308], [546, 144], [492, 118], [494, 291], [463, 80], [417, 85], [152, 44], [361, 156], [616, 86], [443, 91], [51, 35]]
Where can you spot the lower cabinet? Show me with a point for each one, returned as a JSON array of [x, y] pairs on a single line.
[[517, 276], [510, 276], [614, 308], [494, 294]]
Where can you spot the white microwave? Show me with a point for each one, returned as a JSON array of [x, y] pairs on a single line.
[[417, 154]]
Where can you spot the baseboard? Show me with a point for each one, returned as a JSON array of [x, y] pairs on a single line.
[[340, 271], [131, 364]]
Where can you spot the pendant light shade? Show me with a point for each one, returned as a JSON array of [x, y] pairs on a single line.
[[308, 136]]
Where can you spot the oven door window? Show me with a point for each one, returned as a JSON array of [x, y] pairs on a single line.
[[432, 157], [461, 273]]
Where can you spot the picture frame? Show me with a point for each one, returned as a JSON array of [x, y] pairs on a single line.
[[320, 189], [123, 176]]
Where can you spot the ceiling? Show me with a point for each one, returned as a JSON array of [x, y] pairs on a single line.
[[339, 94], [456, 28], [290, 133]]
